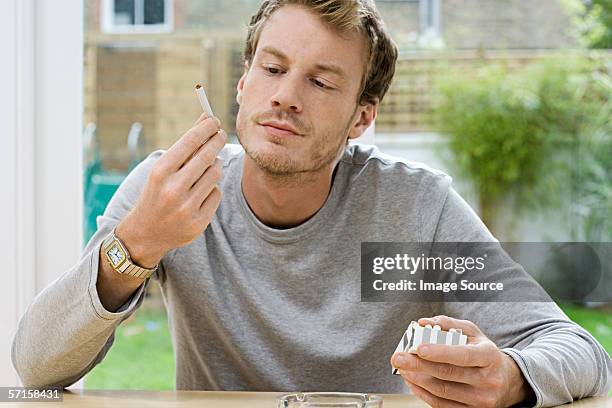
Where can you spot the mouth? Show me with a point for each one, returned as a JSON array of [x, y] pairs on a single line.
[[279, 129]]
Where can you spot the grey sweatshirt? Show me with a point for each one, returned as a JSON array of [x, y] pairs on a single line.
[[256, 308]]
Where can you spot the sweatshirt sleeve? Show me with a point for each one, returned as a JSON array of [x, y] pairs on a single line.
[[66, 331], [559, 359]]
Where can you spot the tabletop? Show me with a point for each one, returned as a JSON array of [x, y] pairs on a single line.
[[216, 399]]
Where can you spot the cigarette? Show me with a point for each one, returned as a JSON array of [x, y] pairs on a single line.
[[203, 100]]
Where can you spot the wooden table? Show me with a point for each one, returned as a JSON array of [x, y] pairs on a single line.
[[214, 399]]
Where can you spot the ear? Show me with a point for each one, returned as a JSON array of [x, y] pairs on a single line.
[[365, 116], [240, 85]]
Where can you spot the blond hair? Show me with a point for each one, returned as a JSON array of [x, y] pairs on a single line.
[[344, 16]]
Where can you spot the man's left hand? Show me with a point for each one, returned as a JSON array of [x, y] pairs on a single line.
[[475, 375]]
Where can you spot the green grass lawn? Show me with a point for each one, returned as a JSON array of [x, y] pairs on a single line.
[[142, 358], [597, 322]]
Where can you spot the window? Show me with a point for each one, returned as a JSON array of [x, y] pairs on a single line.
[[430, 23], [414, 24], [136, 16]]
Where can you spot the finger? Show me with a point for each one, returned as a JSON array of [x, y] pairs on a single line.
[[447, 390], [202, 146], [205, 184], [432, 400], [446, 323], [407, 362], [210, 205], [191, 141], [202, 117], [471, 355], [201, 161]]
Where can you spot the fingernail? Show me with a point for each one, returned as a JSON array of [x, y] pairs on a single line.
[[400, 359], [423, 350]]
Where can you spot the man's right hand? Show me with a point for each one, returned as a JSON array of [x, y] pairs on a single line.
[[179, 198]]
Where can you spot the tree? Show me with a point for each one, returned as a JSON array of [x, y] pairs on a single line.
[[594, 21]]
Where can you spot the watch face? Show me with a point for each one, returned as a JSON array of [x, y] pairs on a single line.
[[115, 255]]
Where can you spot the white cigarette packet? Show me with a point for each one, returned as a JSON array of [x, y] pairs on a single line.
[[416, 334]]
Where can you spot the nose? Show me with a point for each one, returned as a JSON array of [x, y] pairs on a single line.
[[287, 95]]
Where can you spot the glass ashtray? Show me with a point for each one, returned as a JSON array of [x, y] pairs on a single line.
[[328, 399]]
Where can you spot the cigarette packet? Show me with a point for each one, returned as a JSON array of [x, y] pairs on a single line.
[[416, 334]]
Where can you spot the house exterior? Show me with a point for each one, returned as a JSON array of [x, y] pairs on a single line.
[[479, 24], [143, 57], [416, 24]]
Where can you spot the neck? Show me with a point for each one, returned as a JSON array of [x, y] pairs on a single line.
[[288, 200]]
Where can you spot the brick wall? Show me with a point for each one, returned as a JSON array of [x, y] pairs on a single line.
[[153, 81], [124, 94], [179, 68], [513, 24]]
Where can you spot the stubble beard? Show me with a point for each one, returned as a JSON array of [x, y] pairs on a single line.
[[285, 168]]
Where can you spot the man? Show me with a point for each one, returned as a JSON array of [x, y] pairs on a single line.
[[262, 284]]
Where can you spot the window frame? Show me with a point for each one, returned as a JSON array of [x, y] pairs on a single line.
[[430, 11], [41, 115], [108, 25]]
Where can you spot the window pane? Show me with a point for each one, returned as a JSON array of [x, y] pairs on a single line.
[[154, 12], [430, 14], [143, 84], [124, 12]]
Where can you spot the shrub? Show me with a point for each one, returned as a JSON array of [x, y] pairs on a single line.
[[532, 135]]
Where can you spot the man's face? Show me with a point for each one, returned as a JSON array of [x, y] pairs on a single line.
[[298, 98]]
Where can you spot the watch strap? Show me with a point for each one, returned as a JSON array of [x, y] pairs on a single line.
[[127, 267]]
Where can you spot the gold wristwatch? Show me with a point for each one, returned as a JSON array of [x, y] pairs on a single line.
[[119, 258]]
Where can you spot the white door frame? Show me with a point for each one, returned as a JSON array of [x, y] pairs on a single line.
[[41, 107]]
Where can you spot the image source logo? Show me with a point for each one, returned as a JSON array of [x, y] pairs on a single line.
[[485, 272]]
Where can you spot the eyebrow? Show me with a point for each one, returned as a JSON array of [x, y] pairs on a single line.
[[334, 69]]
